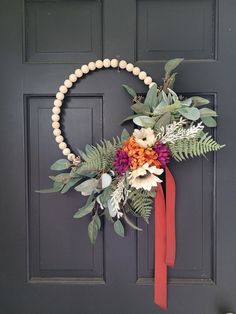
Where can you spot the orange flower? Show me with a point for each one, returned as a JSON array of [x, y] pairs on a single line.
[[140, 155]]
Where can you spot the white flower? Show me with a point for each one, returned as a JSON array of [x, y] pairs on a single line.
[[145, 137], [145, 177]]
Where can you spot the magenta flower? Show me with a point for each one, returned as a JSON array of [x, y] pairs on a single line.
[[163, 153], [122, 161]]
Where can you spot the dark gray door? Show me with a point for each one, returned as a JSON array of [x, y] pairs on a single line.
[[47, 264]]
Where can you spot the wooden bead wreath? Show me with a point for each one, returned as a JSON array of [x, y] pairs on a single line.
[[127, 170], [68, 83]]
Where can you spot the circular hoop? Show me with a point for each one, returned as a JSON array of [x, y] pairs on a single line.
[[68, 83]]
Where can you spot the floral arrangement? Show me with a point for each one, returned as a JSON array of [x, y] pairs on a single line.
[[124, 176], [120, 176]]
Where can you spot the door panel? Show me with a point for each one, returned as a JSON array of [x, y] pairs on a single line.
[[47, 264], [56, 239]]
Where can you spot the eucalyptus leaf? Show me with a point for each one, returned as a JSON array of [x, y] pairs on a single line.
[[124, 135], [130, 90], [165, 98], [172, 64], [70, 184], [118, 227], [209, 122], [151, 97], [97, 220], [106, 180], [62, 177], [105, 196], [199, 101], [163, 121], [130, 118], [60, 164], [86, 173], [176, 105], [139, 107], [93, 230], [50, 190], [85, 210], [144, 121], [206, 112], [186, 102], [161, 108], [87, 187], [173, 94], [190, 113]]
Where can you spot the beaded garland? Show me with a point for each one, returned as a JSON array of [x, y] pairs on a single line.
[[68, 83]]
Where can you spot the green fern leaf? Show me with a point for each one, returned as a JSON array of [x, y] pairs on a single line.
[[99, 157], [183, 149], [141, 203]]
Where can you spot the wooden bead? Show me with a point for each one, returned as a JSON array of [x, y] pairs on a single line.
[[55, 117], [71, 157], [106, 63], [99, 64], [136, 71], [73, 78], [122, 64], [92, 66], [78, 73], [62, 145], [63, 89], [59, 139], [68, 83], [150, 85], [148, 80], [66, 151], [57, 103], [56, 125], [142, 75], [129, 67], [56, 132], [114, 63], [60, 96], [85, 69], [56, 110]]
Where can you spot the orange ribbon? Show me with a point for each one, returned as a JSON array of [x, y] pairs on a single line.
[[165, 239]]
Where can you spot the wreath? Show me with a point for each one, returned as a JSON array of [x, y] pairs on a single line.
[[123, 176]]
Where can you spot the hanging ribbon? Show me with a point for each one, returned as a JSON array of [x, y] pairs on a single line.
[[165, 239]]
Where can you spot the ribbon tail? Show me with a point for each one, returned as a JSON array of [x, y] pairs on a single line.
[[170, 219], [160, 276]]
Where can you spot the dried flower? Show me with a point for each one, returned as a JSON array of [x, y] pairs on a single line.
[[145, 177], [144, 137], [163, 153], [140, 155], [122, 161]]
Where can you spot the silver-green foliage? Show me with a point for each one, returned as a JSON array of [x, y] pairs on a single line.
[[141, 203], [183, 149], [162, 105], [99, 157]]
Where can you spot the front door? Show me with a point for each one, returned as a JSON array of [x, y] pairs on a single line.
[[47, 264]]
